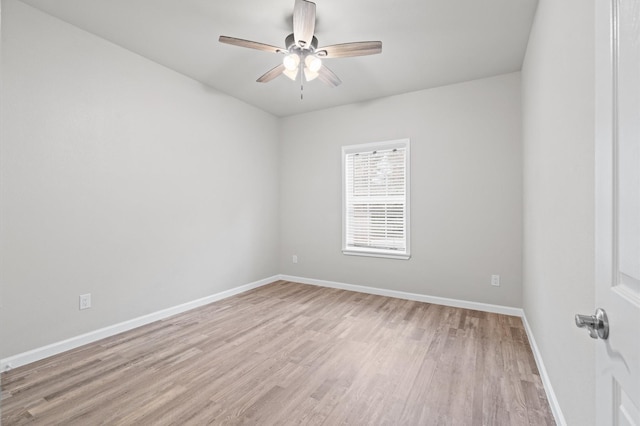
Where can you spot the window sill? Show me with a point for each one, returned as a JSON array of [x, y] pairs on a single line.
[[367, 253]]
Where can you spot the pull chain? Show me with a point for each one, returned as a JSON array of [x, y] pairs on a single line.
[[301, 81]]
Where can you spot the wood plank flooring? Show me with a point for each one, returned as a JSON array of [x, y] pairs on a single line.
[[288, 354]]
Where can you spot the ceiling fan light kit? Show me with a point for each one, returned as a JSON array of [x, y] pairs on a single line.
[[302, 55], [313, 63], [291, 61]]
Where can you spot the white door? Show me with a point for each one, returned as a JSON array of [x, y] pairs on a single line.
[[618, 209]]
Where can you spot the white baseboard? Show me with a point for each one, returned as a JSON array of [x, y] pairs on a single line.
[[74, 342], [551, 396], [456, 303]]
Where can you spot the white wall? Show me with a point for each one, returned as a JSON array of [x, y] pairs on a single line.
[[122, 179], [466, 191], [558, 137]]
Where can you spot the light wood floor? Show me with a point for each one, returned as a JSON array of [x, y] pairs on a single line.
[[290, 353]]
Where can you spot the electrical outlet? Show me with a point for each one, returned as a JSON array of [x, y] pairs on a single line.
[[85, 301], [294, 258], [495, 280]]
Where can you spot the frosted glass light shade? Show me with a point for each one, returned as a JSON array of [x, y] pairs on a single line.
[[309, 75], [313, 63], [291, 62], [292, 74]]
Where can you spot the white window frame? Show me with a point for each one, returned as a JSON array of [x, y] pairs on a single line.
[[372, 251]]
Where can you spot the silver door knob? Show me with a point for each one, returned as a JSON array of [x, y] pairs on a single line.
[[598, 324]]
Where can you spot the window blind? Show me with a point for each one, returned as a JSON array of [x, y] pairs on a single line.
[[376, 216]]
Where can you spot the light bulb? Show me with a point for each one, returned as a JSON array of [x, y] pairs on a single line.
[[313, 63], [291, 61]]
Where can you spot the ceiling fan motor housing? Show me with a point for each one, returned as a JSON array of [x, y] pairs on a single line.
[[291, 45]]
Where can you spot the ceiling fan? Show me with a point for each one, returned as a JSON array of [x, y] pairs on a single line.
[[302, 55]]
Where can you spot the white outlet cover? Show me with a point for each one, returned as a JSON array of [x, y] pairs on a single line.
[[85, 301]]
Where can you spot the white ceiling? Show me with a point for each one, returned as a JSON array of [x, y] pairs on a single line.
[[425, 43]]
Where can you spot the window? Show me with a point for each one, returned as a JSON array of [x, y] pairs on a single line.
[[375, 184]]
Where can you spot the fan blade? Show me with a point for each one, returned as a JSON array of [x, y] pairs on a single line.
[[250, 44], [304, 22], [328, 77], [346, 50], [271, 74]]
